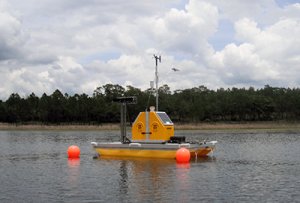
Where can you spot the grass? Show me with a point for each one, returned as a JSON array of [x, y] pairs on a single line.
[[70, 127], [272, 126]]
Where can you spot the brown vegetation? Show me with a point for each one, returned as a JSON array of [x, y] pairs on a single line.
[[211, 127], [71, 127], [271, 126]]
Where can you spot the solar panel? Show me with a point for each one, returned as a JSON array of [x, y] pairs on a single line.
[[164, 118]]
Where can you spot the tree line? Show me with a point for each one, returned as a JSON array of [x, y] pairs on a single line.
[[196, 104]]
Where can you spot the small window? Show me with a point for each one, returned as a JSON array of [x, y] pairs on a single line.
[[164, 118]]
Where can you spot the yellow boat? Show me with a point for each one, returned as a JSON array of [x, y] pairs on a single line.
[[152, 135]]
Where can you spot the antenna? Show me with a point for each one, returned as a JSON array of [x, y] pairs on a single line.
[[157, 58]]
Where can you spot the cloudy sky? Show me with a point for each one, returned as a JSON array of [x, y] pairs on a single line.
[[76, 46]]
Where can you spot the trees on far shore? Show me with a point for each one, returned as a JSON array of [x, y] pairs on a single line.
[[196, 104]]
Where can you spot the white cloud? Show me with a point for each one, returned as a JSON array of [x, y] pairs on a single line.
[[242, 65], [246, 29], [263, 11], [185, 31], [269, 55], [77, 46], [11, 36]]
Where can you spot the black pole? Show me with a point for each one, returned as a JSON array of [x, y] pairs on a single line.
[[123, 122], [123, 101]]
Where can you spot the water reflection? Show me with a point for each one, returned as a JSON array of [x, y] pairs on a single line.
[[183, 165], [202, 159], [73, 171], [123, 182], [73, 164], [183, 181], [138, 176], [144, 178]]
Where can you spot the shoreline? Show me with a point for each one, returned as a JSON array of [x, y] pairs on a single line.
[[270, 126], [58, 127], [243, 127]]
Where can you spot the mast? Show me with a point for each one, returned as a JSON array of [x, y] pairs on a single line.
[[157, 58]]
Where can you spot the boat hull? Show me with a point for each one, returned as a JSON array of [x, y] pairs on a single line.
[[151, 150]]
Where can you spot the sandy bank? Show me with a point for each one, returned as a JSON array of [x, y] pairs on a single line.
[[234, 127]]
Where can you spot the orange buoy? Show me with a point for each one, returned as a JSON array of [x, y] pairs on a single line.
[[183, 155], [73, 152]]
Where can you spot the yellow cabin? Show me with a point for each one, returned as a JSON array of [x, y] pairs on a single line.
[[152, 126]]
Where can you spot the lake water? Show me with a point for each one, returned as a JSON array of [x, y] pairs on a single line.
[[263, 167]]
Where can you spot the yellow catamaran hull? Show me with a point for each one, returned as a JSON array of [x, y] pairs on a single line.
[[151, 150]]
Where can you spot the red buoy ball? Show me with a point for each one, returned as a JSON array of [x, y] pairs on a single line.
[[183, 155], [73, 152]]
